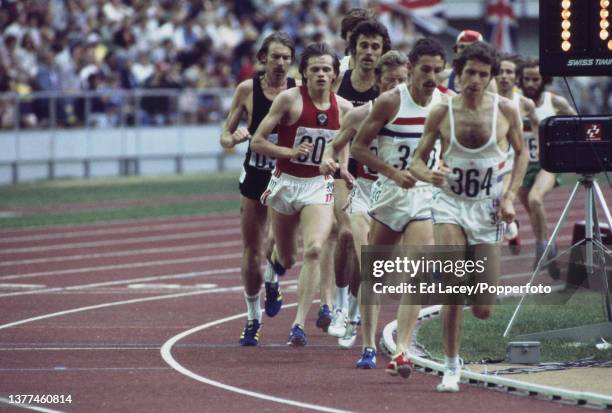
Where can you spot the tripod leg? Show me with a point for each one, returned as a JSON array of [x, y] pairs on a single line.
[[601, 247], [549, 245], [602, 203]]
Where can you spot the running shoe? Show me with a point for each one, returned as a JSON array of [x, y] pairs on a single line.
[[297, 337], [350, 335], [399, 365], [450, 380], [337, 328], [368, 359], [250, 334], [274, 299], [324, 319]]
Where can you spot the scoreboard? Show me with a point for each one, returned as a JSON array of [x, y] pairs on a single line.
[[575, 37]]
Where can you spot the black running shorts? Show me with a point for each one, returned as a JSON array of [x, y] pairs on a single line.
[[254, 182]]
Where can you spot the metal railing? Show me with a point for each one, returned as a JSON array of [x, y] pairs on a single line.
[[113, 107], [124, 128]]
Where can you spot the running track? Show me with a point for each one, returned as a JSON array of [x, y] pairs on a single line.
[[145, 315]]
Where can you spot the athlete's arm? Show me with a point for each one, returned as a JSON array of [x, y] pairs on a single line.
[[383, 109], [515, 138], [231, 134], [529, 107], [562, 106], [418, 167], [280, 108], [336, 154]]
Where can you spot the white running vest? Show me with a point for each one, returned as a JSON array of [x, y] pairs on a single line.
[[398, 139], [477, 173], [546, 109]]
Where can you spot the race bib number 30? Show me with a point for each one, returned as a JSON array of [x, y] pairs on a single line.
[[260, 161], [318, 138]]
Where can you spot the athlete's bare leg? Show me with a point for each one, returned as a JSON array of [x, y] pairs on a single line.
[[285, 230], [253, 219], [379, 235], [316, 222], [544, 183], [417, 233], [327, 283], [345, 256], [450, 234]]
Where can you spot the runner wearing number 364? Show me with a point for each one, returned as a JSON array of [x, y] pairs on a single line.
[[308, 118], [475, 130]]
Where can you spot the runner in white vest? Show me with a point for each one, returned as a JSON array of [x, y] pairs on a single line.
[[538, 182], [475, 129]]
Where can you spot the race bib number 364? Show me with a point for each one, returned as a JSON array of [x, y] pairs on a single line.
[[318, 138]]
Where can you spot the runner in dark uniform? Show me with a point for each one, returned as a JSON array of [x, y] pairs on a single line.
[[367, 43], [254, 97]]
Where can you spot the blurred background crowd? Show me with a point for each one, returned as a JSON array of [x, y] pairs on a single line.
[[183, 48]]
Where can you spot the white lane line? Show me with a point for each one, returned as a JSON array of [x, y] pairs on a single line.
[[28, 406], [124, 241], [126, 281], [120, 230], [118, 303], [74, 348], [21, 286], [132, 301], [120, 223], [166, 353], [123, 266], [128, 253]]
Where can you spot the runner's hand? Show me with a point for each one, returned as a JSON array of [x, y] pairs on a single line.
[[348, 178], [439, 177], [301, 151], [403, 179], [505, 211], [328, 166], [240, 135]]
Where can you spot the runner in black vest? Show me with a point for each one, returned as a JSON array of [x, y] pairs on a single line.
[[367, 43], [254, 97]]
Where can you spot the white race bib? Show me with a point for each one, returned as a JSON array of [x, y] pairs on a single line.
[[260, 161], [531, 144], [319, 138], [399, 152], [475, 179]]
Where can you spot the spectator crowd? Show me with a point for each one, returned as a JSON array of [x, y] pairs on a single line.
[[183, 47]]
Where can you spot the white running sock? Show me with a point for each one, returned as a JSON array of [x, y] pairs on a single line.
[[253, 306], [342, 297], [270, 276]]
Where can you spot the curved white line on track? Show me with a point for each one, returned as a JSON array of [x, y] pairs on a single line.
[[166, 353], [128, 281], [117, 303]]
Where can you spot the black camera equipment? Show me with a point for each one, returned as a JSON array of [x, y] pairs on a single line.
[[580, 144], [576, 40]]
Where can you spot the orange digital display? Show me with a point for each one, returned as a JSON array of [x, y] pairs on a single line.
[[575, 37]]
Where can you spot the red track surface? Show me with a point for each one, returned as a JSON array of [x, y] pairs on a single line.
[[85, 311]]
